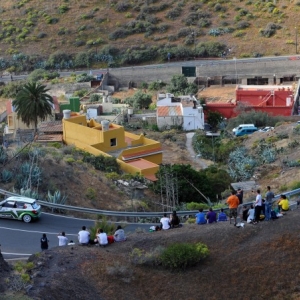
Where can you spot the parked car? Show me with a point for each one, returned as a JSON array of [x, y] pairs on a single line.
[[20, 208], [234, 130], [266, 129], [245, 130]]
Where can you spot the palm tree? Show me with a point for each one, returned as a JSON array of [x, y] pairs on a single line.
[[33, 103]]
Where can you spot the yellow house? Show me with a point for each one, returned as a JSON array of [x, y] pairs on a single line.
[[134, 153]]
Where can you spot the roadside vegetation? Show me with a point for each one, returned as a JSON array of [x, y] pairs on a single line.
[[98, 33]]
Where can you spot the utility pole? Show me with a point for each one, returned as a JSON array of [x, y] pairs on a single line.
[[296, 40]]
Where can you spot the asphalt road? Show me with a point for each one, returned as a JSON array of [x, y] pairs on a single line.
[[20, 240], [7, 78]]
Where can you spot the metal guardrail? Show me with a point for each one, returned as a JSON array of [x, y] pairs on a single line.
[[130, 214]]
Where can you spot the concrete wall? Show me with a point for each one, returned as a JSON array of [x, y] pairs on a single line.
[[234, 68]]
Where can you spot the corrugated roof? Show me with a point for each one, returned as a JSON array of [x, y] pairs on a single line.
[[52, 126], [167, 111]]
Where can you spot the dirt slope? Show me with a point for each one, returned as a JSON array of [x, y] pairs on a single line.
[[256, 262]]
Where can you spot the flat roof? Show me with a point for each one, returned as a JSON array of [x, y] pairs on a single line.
[[141, 163]]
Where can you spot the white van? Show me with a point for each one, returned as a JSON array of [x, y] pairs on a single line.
[[234, 130]]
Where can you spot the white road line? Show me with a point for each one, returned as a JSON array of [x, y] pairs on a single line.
[[67, 217], [6, 228], [16, 254]]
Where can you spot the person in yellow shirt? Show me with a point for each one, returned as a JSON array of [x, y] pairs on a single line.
[[283, 203]]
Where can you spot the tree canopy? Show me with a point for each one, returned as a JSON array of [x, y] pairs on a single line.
[[210, 182], [139, 100], [33, 103], [180, 85]]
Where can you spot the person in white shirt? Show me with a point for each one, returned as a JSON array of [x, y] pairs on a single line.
[[62, 239], [102, 238], [83, 236], [165, 222], [258, 205]]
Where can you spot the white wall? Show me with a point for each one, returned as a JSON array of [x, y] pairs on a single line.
[[193, 119]]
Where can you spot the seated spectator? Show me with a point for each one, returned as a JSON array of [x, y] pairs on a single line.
[[211, 216], [165, 222], [83, 236], [283, 203], [119, 235], [174, 220], [251, 215], [200, 217], [222, 216], [102, 238], [62, 239]]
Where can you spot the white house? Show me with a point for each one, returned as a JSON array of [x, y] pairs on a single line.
[[179, 111]]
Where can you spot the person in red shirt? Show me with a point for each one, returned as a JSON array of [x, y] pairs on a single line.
[[233, 202]]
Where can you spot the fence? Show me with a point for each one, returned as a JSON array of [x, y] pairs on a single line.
[[143, 217]]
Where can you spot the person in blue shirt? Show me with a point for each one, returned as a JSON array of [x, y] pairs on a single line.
[[200, 217], [222, 216]]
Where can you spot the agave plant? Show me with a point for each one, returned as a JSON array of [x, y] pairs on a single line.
[[56, 198], [29, 193], [6, 176]]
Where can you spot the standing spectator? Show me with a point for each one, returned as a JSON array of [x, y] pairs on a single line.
[[169, 56], [258, 206], [62, 239], [83, 236], [102, 238], [240, 195], [211, 216], [233, 202], [44, 242], [119, 235], [165, 222], [200, 217], [222, 216]]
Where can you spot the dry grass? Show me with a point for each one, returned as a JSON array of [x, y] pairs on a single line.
[[282, 42], [255, 262]]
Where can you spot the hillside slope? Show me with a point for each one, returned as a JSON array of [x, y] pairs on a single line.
[[256, 262], [248, 28]]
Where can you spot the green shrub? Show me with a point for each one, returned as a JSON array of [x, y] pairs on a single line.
[[63, 8], [69, 160], [108, 228], [269, 30], [294, 185], [183, 255], [90, 193], [112, 176], [196, 206]]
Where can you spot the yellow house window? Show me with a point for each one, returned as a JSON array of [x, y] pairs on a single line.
[[113, 142]]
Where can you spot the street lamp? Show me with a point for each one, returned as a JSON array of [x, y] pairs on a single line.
[[296, 40]]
